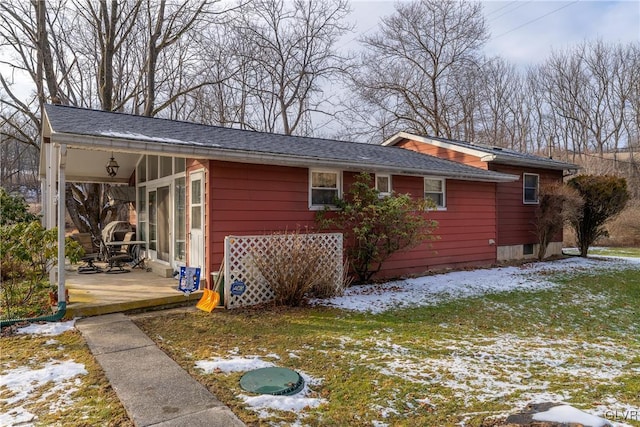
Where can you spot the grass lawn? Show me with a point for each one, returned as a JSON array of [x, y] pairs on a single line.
[[461, 362], [622, 252], [55, 381], [626, 251], [471, 352]]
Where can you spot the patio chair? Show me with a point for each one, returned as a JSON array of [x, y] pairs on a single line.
[[91, 253], [117, 256]]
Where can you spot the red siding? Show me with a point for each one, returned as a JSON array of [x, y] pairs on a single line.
[[443, 153], [249, 199], [515, 218], [260, 199], [464, 229]]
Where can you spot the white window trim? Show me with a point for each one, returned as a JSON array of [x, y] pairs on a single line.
[[339, 184], [444, 191], [383, 193], [524, 200]]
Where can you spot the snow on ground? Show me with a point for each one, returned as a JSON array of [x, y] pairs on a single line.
[[483, 368], [54, 382], [569, 414], [438, 288], [264, 404], [49, 328]]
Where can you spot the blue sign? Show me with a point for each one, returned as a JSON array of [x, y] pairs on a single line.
[[189, 279], [238, 288]]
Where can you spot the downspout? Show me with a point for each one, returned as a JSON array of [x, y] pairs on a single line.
[[62, 303]]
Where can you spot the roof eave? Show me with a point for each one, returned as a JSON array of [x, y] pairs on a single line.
[[103, 143], [465, 150], [482, 155], [541, 164]]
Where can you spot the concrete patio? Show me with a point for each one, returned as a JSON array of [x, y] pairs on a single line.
[[102, 293]]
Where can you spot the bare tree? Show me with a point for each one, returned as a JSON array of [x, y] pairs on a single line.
[[287, 50], [411, 67], [589, 89], [100, 64]]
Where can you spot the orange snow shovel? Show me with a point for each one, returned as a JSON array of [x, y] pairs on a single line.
[[211, 298]]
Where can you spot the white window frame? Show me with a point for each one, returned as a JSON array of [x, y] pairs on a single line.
[[338, 174], [388, 191], [443, 182], [524, 189]]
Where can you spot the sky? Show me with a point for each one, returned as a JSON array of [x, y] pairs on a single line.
[[526, 31]]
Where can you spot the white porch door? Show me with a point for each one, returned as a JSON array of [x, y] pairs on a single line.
[[196, 221]]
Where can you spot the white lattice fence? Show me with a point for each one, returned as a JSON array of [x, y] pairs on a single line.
[[240, 269]]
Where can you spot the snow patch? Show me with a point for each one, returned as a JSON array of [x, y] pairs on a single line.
[[237, 364], [22, 382], [264, 404], [439, 288], [48, 329], [569, 414], [142, 137]]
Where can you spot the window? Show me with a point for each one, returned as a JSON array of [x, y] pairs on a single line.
[[324, 188], [196, 204], [383, 185], [434, 189], [530, 187], [527, 249]]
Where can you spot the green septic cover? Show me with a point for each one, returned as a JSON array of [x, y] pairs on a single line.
[[276, 381]]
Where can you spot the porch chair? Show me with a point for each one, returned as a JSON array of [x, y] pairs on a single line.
[[91, 253], [118, 256]]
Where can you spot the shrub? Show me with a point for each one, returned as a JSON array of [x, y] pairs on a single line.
[[27, 253], [14, 209], [604, 198], [294, 266], [558, 205], [376, 227]]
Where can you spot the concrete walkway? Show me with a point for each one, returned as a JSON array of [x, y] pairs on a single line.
[[154, 390]]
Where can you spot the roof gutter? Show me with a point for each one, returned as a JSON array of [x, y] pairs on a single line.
[[105, 143], [533, 163]]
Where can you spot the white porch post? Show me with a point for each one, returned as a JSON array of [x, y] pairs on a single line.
[[61, 217], [49, 196]]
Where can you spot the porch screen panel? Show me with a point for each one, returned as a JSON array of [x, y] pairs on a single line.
[[142, 170], [142, 214], [180, 231], [152, 171], [166, 166], [163, 226], [153, 208]]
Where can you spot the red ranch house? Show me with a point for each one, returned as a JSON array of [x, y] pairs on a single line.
[[515, 200], [196, 184]]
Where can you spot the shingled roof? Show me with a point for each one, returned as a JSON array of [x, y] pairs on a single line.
[[485, 153], [94, 129]]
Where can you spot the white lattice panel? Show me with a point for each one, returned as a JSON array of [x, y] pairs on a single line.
[[238, 266]]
